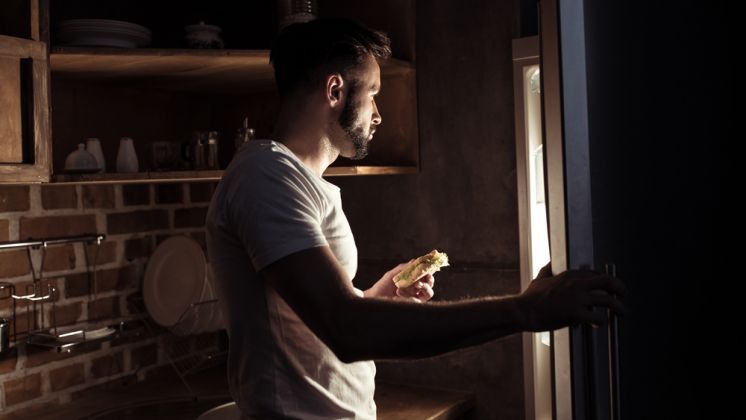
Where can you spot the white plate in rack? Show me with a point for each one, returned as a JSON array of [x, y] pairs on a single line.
[[68, 334], [99, 333], [174, 279], [209, 316]]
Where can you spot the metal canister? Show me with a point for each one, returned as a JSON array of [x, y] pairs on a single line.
[[197, 149], [244, 134], [4, 335], [211, 151]]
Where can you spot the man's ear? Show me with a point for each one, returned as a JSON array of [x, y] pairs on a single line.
[[334, 94]]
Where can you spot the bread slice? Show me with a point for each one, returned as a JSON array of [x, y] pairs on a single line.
[[426, 264]]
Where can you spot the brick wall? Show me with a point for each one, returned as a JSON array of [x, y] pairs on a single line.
[[135, 218]]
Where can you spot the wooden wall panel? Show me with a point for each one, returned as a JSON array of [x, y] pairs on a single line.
[[11, 145]]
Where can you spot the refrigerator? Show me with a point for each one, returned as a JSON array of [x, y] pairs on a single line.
[[612, 177]]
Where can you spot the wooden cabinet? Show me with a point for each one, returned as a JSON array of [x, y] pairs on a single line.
[[25, 149], [164, 92]]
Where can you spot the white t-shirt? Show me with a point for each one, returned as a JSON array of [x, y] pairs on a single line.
[[267, 206]]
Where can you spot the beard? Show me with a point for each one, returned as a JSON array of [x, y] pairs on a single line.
[[357, 133]]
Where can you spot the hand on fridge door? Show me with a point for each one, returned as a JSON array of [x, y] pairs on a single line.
[[552, 302], [545, 271]]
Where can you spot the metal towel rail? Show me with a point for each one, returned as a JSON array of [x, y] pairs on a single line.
[[35, 295]]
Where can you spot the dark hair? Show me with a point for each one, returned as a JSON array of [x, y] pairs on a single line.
[[304, 53]]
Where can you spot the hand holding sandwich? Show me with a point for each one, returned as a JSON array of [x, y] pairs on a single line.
[[412, 280], [420, 291]]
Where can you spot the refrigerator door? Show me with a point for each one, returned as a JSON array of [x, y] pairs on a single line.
[[532, 217], [583, 376], [631, 131]]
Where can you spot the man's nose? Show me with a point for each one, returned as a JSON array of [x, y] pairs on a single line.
[[376, 116]]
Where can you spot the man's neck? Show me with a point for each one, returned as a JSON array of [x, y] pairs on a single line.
[[306, 136], [315, 152]]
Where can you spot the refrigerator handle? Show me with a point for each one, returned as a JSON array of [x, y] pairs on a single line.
[[613, 329]]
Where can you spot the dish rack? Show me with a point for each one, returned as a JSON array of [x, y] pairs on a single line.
[[38, 293], [181, 355]]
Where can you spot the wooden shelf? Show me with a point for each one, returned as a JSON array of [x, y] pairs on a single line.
[[139, 177], [213, 71], [187, 176], [150, 94], [370, 170]]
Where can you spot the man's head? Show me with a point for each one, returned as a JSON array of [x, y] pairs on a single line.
[[340, 58], [304, 53]]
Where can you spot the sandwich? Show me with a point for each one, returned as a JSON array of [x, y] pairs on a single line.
[[426, 264]]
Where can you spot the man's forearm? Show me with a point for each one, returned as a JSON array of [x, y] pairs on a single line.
[[382, 328], [360, 328]]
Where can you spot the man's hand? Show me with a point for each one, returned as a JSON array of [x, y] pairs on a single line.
[[420, 291], [545, 271], [552, 302]]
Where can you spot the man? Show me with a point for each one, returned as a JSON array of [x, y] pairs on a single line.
[[301, 336]]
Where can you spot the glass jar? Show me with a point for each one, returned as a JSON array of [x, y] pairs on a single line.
[[295, 11], [211, 150]]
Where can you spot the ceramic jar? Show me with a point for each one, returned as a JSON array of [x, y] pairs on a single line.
[[93, 146], [126, 156]]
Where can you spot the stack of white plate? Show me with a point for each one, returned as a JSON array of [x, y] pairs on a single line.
[[177, 279], [103, 33], [73, 334]]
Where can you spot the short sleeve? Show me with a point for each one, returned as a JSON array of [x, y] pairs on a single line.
[[276, 211]]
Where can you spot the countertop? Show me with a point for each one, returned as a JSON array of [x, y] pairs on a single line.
[[166, 397]]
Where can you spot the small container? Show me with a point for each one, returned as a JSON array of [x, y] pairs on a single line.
[[81, 161], [211, 151], [195, 151], [93, 146], [126, 156], [202, 152], [4, 335], [163, 156], [296, 11], [244, 134], [203, 36]]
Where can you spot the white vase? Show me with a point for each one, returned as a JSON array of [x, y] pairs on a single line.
[[93, 146], [81, 161], [126, 156]]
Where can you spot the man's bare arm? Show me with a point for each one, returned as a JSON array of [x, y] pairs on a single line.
[[313, 283]]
